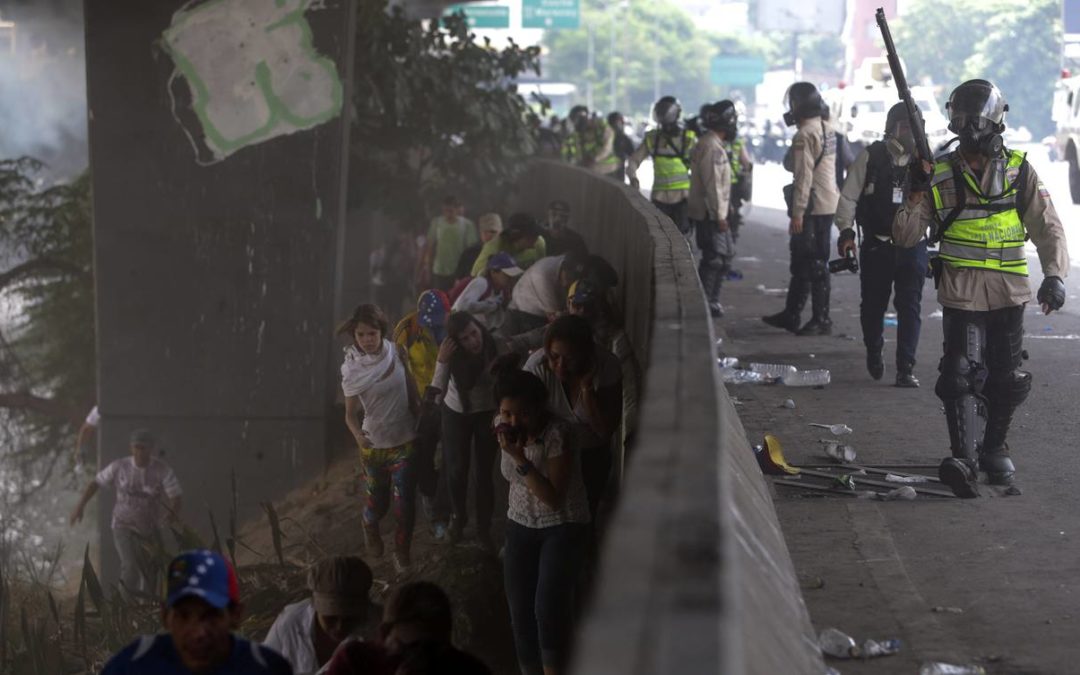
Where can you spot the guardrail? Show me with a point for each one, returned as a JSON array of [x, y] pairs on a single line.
[[695, 576]]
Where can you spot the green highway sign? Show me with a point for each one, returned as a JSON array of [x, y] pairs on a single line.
[[550, 13], [482, 16], [737, 71]]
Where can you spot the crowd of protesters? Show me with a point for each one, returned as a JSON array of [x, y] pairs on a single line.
[[509, 381]]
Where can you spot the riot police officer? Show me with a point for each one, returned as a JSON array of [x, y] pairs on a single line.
[[742, 167], [872, 193], [709, 202], [811, 198], [984, 201], [590, 143], [669, 146]]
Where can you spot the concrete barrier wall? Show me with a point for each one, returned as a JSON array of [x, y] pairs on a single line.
[[695, 576]]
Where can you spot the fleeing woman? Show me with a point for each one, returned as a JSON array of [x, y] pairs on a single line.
[[547, 523], [381, 404], [584, 384]]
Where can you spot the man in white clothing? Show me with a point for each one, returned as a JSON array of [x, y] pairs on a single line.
[[307, 633]]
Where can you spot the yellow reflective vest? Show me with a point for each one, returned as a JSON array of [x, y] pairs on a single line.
[[985, 234], [671, 159]]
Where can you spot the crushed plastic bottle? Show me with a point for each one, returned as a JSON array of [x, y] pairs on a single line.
[[873, 648], [773, 370], [900, 494], [838, 644], [938, 668], [728, 362], [834, 429], [739, 376], [845, 454], [807, 378]]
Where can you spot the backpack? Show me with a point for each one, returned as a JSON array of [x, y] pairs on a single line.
[[459, 287]]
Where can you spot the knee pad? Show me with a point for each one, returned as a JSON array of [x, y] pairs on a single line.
[[955, 379], [1013, 388]]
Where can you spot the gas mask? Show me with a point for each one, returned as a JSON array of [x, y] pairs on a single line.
[[981, 138]]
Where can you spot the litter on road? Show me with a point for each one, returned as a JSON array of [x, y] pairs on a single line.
[[834, 429]]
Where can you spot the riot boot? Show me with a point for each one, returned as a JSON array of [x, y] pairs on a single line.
[[712, 278], [961, 477], [788, 319], [819, 323], [875, 365], [905, 377], [959, 472], [998, 466]]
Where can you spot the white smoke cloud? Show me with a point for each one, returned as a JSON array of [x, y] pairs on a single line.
[[43, 87]]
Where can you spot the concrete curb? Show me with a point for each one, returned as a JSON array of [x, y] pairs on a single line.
[[695, 575]]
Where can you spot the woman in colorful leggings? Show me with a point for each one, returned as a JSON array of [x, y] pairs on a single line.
[[381, 404]]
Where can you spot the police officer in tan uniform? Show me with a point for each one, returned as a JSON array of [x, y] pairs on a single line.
[[812, 199], [710, 200], [981, 202]]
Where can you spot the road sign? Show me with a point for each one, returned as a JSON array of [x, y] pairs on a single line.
[[737, 71], [482, 16], [550, 13]]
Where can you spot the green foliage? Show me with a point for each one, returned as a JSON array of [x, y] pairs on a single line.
[[1015, 45], [47, 350], [435, 112], [648, 33], [1021, 53]]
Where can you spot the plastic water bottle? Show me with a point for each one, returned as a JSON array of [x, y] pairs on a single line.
[[838, 644], [949, 669], [728, 362], [774, 370], [873, 648], [807, 378], [739, 376]]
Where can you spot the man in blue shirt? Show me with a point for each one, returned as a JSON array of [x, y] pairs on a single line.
[[201, 611]]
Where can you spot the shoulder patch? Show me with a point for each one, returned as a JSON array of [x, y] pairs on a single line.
[[1043, 192]]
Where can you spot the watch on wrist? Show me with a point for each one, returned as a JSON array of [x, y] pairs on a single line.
[[524, 469]]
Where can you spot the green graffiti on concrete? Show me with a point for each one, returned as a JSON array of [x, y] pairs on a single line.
[[253, 70]]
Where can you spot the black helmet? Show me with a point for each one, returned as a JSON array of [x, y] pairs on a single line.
[[667, 111], [718, 116], [729, 116], [897, 114], [803, 101], [977, 115], [578, 117], [976, 103]]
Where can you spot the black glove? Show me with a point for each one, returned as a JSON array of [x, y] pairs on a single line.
[[1052, 293], [918, 180]]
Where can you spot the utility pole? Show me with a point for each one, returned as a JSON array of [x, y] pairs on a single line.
[[611, 64], [590, 72], [656, 77]]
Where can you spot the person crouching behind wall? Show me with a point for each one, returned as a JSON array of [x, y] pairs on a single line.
[[381, 407]]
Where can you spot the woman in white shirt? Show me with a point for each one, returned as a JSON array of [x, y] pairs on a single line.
[[379, 390], [547, 522]]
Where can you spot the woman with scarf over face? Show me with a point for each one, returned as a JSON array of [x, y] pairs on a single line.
[[381, 407], [463, 372]]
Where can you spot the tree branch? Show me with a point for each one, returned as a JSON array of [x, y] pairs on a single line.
[[40, 264], [24, 400]]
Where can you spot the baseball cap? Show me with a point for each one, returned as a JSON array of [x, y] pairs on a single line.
[[340, 586], [202, 574], [143, 437], [582, 292], [505, 263]]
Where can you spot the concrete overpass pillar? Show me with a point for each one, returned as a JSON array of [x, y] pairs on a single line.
[[218, 155]]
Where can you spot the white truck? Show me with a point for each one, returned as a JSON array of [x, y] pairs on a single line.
[[859, 110], [1066, 116]]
